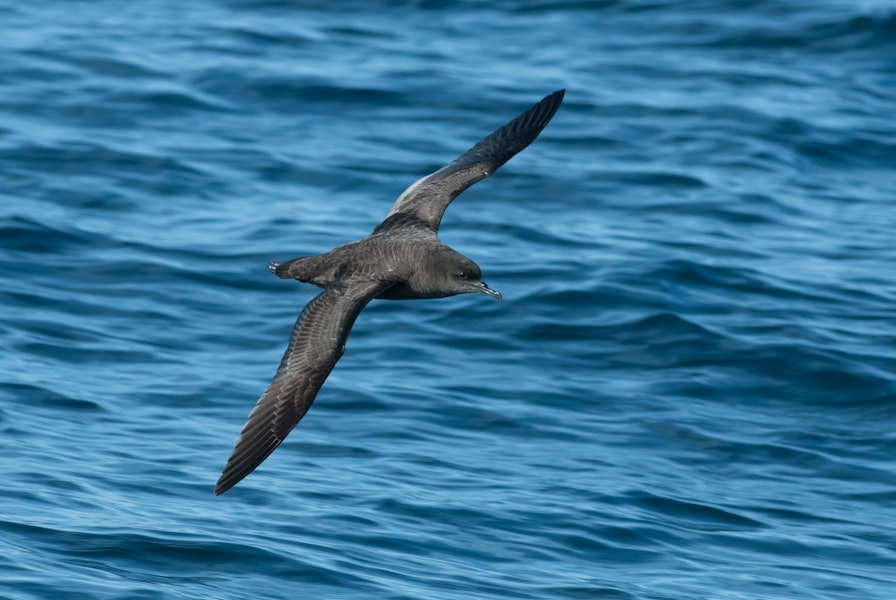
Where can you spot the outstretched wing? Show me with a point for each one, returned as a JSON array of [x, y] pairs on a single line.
[[428, 198], [317, 342]]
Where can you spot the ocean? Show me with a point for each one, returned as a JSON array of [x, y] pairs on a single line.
[[688, 392]]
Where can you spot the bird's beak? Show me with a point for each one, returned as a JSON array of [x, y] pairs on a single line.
[[487, 290]]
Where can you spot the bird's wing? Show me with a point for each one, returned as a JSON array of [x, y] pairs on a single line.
[[317, 342], [428, 198]]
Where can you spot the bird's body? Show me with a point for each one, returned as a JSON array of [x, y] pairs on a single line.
[[402, 259]]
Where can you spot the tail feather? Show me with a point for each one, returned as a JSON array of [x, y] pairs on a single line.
[[286, 270]]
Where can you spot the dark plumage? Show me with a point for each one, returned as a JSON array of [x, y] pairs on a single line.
[[403, 259]]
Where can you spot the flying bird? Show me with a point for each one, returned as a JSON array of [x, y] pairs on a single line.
[[403, 259]]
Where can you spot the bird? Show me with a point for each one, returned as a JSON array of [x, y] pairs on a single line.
[[402, 259]]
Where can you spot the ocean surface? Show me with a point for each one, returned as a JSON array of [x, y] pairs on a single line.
[[689, 391]]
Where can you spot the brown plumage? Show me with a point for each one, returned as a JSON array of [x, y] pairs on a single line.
[[403, 259]]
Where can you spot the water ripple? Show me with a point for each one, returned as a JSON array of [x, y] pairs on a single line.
[[688, 391]]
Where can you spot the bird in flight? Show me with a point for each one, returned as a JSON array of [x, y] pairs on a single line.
[[403, 259]]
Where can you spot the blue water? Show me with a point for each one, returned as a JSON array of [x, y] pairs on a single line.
[[688, 392]]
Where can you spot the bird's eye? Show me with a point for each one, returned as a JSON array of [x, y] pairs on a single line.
[[463, 275]]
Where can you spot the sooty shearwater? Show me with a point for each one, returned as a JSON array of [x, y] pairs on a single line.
[[403, 259]]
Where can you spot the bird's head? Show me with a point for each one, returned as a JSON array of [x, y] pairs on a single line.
[[461, 275]]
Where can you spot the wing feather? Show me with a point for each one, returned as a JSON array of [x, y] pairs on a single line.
[[428, 198], [316, 343]]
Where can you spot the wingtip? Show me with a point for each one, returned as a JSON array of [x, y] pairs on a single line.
[[554, 99], [539, 115], [229, 479], [222, 486]]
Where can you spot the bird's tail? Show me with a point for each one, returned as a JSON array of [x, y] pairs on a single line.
[[291, 269]]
